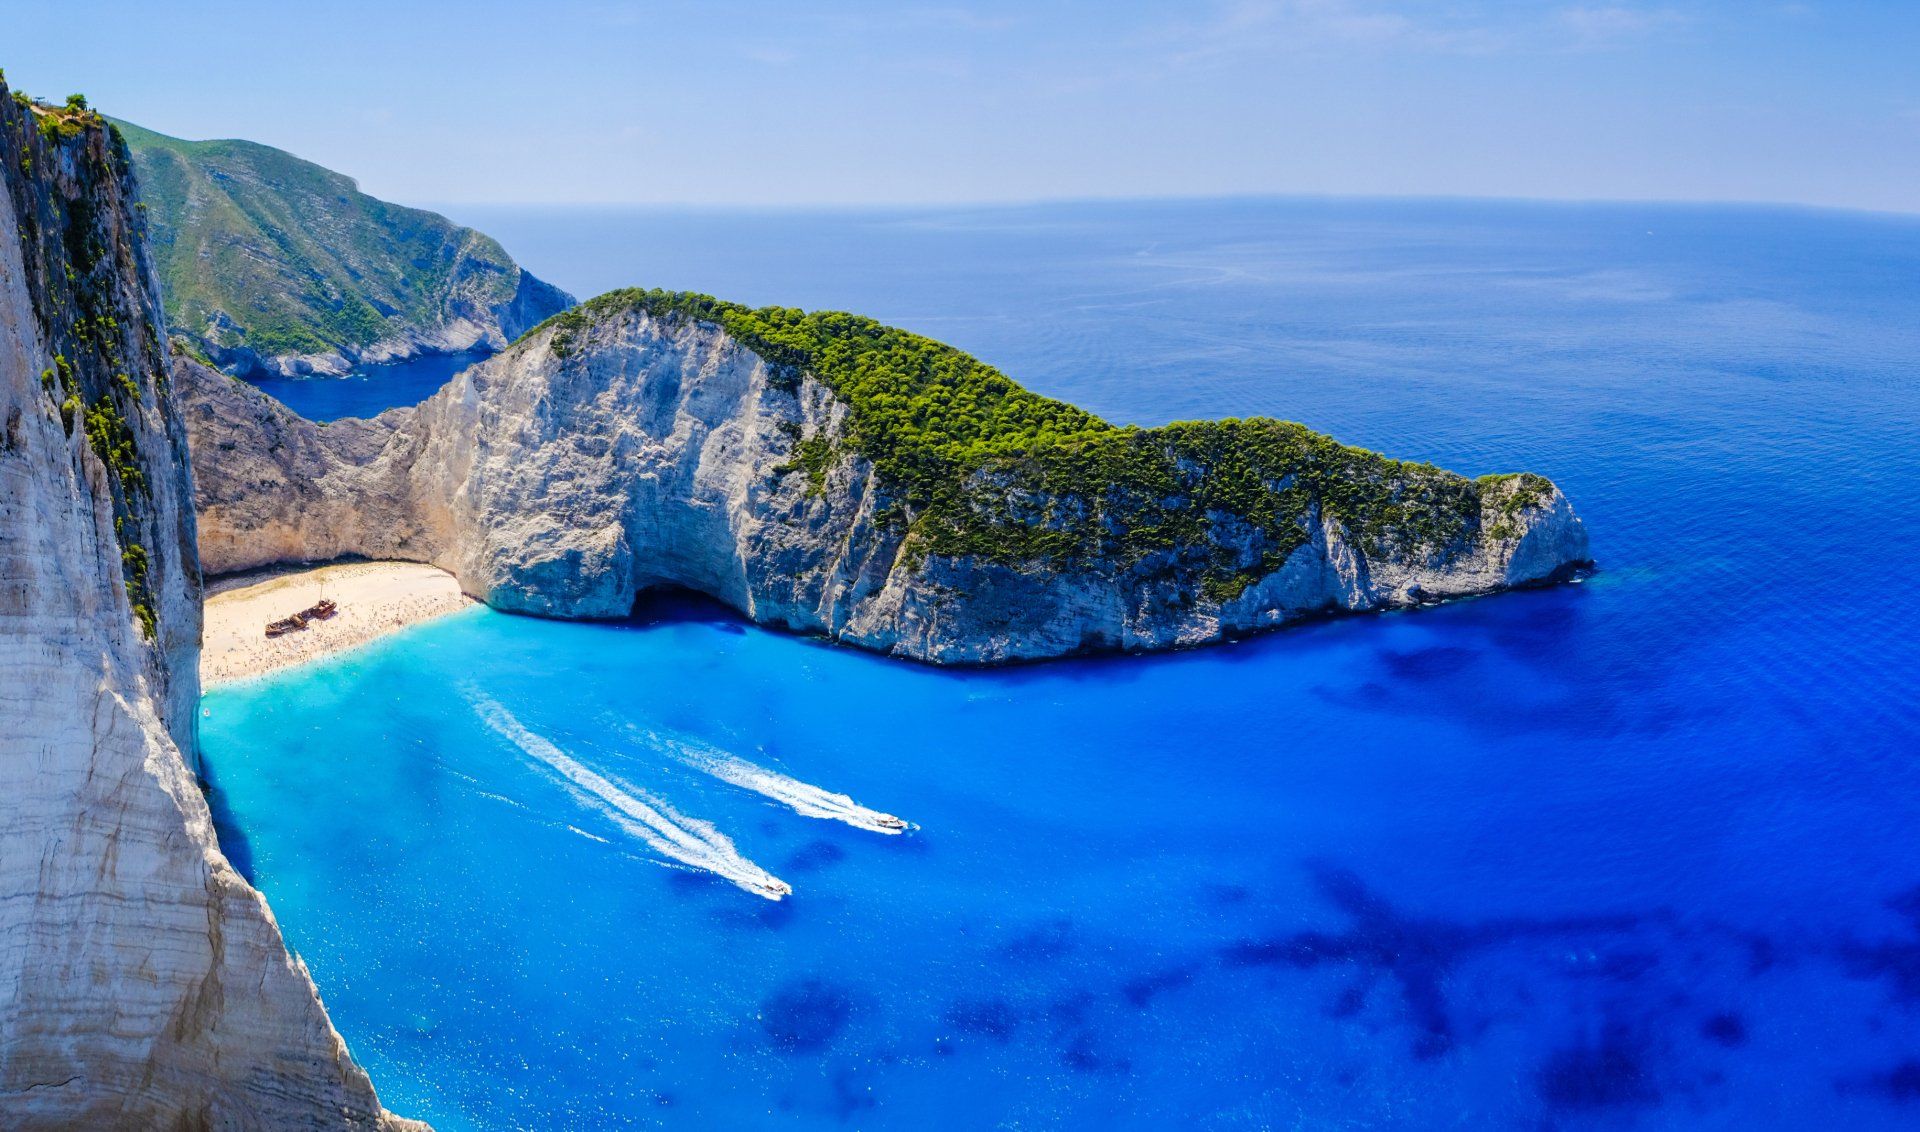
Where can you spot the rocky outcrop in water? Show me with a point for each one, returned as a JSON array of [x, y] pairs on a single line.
[[636, 443], [143, 982]]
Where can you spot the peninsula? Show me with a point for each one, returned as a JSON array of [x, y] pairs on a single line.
[[824, 473]]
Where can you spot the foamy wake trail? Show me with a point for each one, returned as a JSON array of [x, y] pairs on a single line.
[[802, 798], [688, 840]]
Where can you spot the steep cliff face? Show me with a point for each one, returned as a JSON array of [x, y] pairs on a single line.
[[143, 983], [640, 442], [275, 264]]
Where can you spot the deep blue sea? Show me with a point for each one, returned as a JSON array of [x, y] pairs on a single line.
[[370, 389], [1637, 853]]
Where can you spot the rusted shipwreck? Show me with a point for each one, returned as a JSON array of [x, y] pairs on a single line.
[[318, 612]]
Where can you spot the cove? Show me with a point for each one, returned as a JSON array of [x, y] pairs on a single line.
[[370, 389], [1629, 853]]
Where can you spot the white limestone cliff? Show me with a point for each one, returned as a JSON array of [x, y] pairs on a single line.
[[143, 983], [659, 451]]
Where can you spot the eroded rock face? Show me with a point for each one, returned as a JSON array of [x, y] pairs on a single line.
[[143, 983], [660, 451]]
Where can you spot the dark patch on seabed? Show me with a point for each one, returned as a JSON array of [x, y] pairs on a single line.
[[1226, 895], [1041, 944], [849, 1097], [1607, 1071], [1419, 954], [1900, 1084], [1533, 640], [1143, 990], [814, 856], [805, 1016], [1641, 1011], [993, 1018], [1435, 663], [1894, 961], [1623, 1004], [1725, 1029], [1084, 1055]]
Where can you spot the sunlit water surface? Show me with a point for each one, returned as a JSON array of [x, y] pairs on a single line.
[[1635, 853]]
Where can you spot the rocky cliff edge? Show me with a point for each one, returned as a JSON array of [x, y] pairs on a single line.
[[143, 982], [827, 474]]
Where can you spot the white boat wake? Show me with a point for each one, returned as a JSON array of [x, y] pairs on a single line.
[[802, 798], [690, 841]]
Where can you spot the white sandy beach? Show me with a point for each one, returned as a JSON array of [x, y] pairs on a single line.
[[375, 598]]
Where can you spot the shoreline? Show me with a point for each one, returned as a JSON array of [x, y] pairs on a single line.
[[376, 599]]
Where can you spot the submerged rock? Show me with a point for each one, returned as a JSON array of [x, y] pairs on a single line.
[[827, 474]]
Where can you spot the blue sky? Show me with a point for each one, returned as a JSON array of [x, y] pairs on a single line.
[[794, 103]]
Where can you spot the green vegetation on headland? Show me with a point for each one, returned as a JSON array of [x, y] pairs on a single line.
[[981, 467], [259, 250], [66, 170]]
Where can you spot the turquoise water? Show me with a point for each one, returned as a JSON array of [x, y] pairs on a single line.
[[1635, 853]]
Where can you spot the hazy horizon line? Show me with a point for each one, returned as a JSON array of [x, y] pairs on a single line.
[[1013, 202], [995, 203]]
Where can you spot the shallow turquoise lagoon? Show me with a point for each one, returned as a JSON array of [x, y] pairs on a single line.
[[1637, 853]]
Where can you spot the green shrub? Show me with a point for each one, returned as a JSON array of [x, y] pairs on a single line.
[[76, 249], [980, 466], [816, 456]]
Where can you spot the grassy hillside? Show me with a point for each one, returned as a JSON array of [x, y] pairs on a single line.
[[262, 252], [984, 467]]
